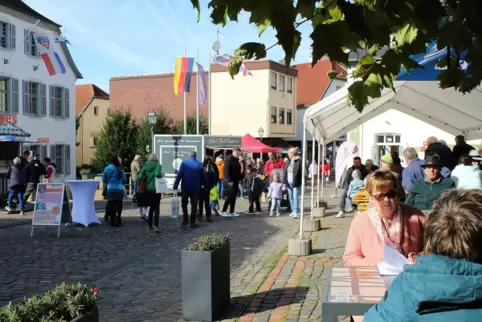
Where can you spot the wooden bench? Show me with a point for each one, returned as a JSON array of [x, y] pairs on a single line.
[[362, 199]]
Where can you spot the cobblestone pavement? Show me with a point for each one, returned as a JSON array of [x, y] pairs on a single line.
[[138, 272]]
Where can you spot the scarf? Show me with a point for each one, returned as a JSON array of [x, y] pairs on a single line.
[[390, 234]]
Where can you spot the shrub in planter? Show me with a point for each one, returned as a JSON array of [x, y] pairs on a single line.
[[206, 271], [67, 302]]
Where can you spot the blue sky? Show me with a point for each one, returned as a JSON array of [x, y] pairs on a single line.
[[131, 37]]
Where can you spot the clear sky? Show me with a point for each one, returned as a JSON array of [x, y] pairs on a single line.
[[131, 37]]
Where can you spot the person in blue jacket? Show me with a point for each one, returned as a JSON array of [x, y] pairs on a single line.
[[115, 178], [446, 283], [193, 177]]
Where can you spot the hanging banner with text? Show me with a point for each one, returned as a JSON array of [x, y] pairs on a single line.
[[48, 204]]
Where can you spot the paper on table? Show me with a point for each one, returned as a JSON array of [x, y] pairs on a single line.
[[393, 261]]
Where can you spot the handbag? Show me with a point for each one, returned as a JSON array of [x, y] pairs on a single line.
[[175, 206], [161, 185], [143, 185]]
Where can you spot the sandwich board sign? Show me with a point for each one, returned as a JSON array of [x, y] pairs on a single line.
[[48, 205]]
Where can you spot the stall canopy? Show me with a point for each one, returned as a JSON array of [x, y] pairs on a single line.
[[11, 130], [251, 145], [416, 94]]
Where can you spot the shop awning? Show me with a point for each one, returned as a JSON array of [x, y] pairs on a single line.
[[250, 144], [7, 129]]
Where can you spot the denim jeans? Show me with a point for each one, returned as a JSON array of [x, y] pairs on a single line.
[[16, 191], [241, 189], [275, 204], [221, 189], [294, 195]]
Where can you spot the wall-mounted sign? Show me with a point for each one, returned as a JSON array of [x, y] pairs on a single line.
[[8, 118], [43, 140], [9, 138], [222, 141]]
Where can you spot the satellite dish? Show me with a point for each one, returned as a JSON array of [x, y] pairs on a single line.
[[216, 46]]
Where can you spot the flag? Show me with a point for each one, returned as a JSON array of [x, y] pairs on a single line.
[[202, 84], [225, 59], [182, 74], [51, 58]]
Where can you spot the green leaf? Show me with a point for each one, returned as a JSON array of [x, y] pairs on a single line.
[[195, 4], [306, 8], [254, 50], [262, 27], [234, 67], [405, 35], [357, 95]]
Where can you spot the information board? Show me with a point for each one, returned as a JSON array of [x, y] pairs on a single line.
[[48, 204]]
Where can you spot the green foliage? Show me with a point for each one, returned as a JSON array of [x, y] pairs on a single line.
[[387, 32], [118, 137], [64, 303], [191, 126], [207, 243], [164, 125]]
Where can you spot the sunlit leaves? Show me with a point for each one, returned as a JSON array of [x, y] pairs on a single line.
[[253, 50], [405, 35]]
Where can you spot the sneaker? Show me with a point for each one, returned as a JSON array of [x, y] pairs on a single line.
[[194, 225], [351, 210], [8, 209], [233, 214], [22, 213], [209, 219], [185, 224], [295, 216], [157, 230], [341, 214], [277, 214], [271, 214], [224, 214], [150, 229]]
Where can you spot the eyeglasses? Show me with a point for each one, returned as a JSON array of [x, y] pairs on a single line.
[[390, 195]]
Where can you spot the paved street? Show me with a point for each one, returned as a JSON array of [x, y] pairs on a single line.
[[139, 273]]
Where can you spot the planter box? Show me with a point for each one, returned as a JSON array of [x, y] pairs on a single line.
[[93, 316], [205, 284]]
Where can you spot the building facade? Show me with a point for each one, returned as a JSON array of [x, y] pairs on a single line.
[[264, 100], [41, 105], [92, 107], [142, 94]]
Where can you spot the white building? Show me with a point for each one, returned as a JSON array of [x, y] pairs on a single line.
[[37, 103]]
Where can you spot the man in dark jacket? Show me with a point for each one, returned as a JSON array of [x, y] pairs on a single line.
[[293, 180], [357, 164], [425, 191], [16, 184], [232, 176], [443, 151], [461, 147], [33, 171], [212, 177], [193, 177]]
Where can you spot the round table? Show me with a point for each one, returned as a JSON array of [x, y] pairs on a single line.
[[83, 194]]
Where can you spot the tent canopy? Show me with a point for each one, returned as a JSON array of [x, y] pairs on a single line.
[[251, 145], [416, 94]]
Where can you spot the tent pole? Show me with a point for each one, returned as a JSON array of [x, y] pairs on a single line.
[[320, 163], [323, 173], [313, 172], [303, 178]]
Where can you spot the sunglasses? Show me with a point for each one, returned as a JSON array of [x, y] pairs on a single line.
[[390, 195]]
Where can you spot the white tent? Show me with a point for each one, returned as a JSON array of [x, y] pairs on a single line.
[[447, 109]]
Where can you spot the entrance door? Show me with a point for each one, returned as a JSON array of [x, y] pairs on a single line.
[[387, 149]]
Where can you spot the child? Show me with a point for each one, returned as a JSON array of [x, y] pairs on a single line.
[[214, 200], [275, 193], [355, 186], [255, 188]]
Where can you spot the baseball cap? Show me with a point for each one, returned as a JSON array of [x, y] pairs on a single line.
[[387, 159]]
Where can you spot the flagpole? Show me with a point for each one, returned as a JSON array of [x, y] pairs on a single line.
[[209, 95], [185, 100], [27, 35], [197, 95]]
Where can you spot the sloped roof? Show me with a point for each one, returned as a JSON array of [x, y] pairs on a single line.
[[22, 7], [313, 81], [7, 129], [84, 94]]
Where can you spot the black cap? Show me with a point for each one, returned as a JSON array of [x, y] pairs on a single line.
[[432, 161]]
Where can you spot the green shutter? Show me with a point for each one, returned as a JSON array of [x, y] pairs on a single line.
[[66, 104], [13, 37]]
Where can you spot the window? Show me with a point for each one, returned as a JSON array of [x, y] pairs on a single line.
[[281, 115], [30, 46], [34, 99], [96, 110], [273, 114], [289, 116], [60, 155], [274, 79], [7, 36], [282, 80], [59, 105], [37, 149], [8, 95], [93, 141], [290, 85], [397, 138]]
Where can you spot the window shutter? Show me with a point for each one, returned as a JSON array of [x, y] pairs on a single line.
[[26, 42], [52, 153], [66, 103], [67, 159], [51, 101], [43, 152], [43, 100], [26, 97], [14, 107], [13, 38]]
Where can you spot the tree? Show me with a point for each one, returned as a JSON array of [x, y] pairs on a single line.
[[191, 125], [118, 137], [164, 125], [388, 32]]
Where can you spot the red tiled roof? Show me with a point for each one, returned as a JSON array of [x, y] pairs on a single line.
[[83, 95], [313, 81]]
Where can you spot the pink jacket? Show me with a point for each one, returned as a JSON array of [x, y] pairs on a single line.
[[365, 248]]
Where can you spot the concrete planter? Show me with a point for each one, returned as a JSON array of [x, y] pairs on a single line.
[[93, 316], [205, 284]]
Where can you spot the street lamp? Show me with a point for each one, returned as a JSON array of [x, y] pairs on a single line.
[[261, 134], [152, 118]]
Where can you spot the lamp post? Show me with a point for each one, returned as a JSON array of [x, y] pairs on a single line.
[[261, 134], [152, 118]]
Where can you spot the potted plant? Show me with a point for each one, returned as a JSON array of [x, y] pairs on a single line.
[[67, 302], [85, 172], [206, 270]]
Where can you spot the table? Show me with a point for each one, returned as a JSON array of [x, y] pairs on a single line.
[[83, 194], [352, 291]]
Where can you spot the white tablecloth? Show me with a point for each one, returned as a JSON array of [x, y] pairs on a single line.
[[83, 193]]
